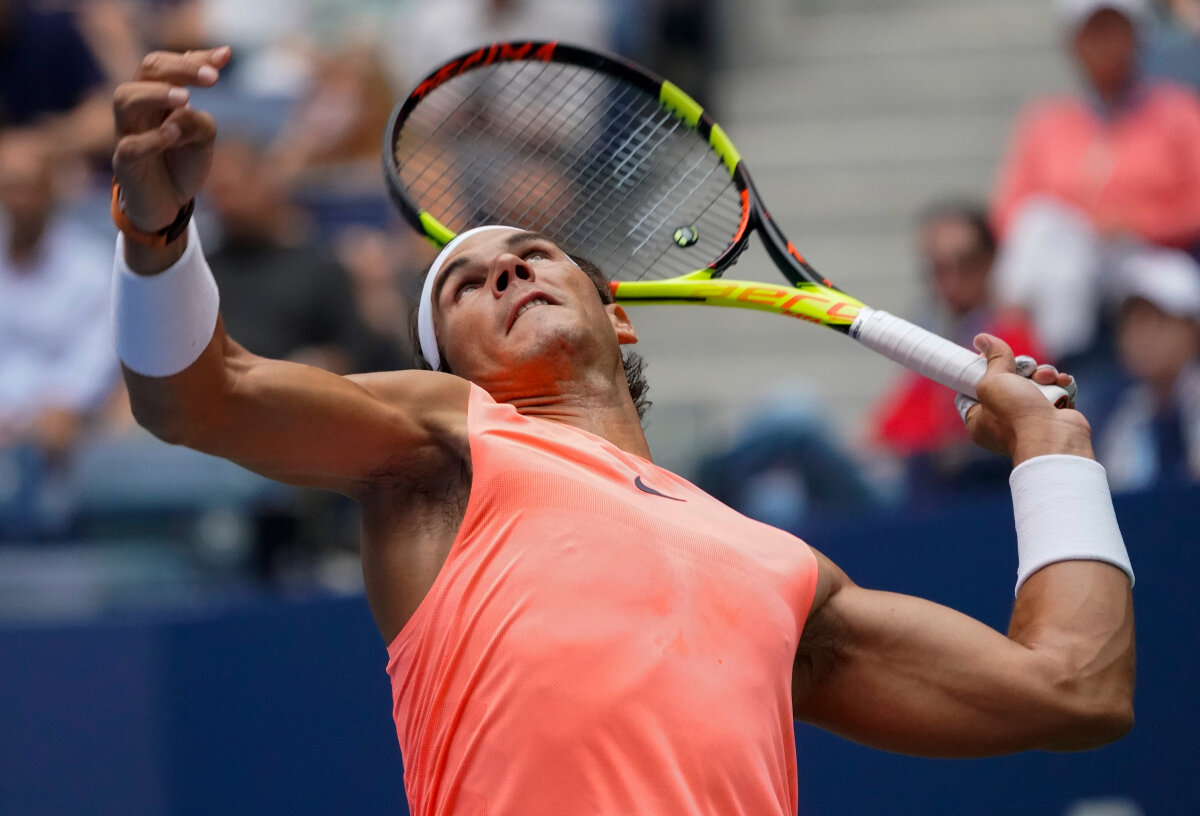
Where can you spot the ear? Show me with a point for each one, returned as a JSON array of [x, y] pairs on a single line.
[[626, 333]]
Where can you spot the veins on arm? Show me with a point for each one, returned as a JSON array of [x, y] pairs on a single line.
[[905, 674]]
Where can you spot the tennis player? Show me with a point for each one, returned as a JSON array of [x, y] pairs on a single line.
[[570, 628]]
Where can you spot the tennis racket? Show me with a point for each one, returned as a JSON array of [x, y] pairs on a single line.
[[626, 170]]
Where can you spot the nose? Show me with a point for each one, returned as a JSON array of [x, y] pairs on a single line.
[[507, 268]]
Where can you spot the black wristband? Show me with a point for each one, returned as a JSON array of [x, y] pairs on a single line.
[[160, 238]]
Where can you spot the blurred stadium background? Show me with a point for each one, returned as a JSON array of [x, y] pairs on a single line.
[[188, 639]]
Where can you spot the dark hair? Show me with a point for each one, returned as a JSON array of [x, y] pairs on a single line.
[[633, 363], [967, 211]]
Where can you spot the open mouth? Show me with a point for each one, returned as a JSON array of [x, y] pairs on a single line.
[[535, 302], [527, 303]]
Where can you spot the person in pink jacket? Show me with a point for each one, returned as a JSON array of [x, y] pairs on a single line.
[[1096, 180]]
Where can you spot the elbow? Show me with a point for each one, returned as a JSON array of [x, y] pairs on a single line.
[[1119, 723], [1116, 720], [1094, 720], [187, 408], [170, 422], [1096, 729], [168, 425]]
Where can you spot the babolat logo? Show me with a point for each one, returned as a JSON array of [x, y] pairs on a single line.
[[496, 52], [805, 304]]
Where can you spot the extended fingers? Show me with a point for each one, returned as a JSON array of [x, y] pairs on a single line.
[[188, 68]]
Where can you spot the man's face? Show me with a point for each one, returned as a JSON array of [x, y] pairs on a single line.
[[244, 193], [1106, 49], [1155, 346], [510, 306], [958, 264], [27, 191]]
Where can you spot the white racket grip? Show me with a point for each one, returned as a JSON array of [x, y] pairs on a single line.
[[928, 354]]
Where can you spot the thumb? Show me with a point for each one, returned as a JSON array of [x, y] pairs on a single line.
[[999, 354]]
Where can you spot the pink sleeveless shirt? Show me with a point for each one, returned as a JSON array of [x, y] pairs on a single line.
[[604, 638]]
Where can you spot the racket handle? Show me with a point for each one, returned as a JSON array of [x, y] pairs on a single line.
[[928, 354]]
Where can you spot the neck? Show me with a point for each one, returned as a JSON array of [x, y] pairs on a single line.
[[1113, 98], [1163, 390], [605, 409]]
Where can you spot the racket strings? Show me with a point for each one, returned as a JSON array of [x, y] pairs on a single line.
[[612, 180], [591, 160], [479, 126], [554, 139], [699, 159], [533, 144], [593, 86], [465, 112]]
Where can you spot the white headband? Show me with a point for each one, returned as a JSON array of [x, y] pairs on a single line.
[[425, 333]]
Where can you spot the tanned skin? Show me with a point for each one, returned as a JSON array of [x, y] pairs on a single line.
[[884, 669]]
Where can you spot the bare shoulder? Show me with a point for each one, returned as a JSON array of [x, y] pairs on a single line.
[[429, 389], [435, 401]]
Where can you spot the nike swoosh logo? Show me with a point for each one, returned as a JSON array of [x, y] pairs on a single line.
[[645, 488]]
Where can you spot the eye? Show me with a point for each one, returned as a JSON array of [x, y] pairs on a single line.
[[466, 286], [536, 254]]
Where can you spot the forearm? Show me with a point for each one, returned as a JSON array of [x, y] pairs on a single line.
[[287, 421], [908, 675], [915, 677], [174, 408], [1074, 603], [1076, 619], [904, 674]]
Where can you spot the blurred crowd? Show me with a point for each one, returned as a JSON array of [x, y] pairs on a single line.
[[1085, 257], [310, 258]]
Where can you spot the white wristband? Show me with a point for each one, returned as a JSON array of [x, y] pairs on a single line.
[[1064, 512], [164, 321]]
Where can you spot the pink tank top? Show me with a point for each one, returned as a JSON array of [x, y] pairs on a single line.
[[604, 638]]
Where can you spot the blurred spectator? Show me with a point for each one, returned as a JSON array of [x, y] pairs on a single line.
[[114, 32], [1174, 49], [175, 25], [50, 81], [1153, 435], [328, 150], [917, 420], [387, 268], [786, 467], [57, 363], [271, 39], [338, 123], [281, 295], [1091, 179]]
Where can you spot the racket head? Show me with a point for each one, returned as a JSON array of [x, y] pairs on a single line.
[[613, 163]]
